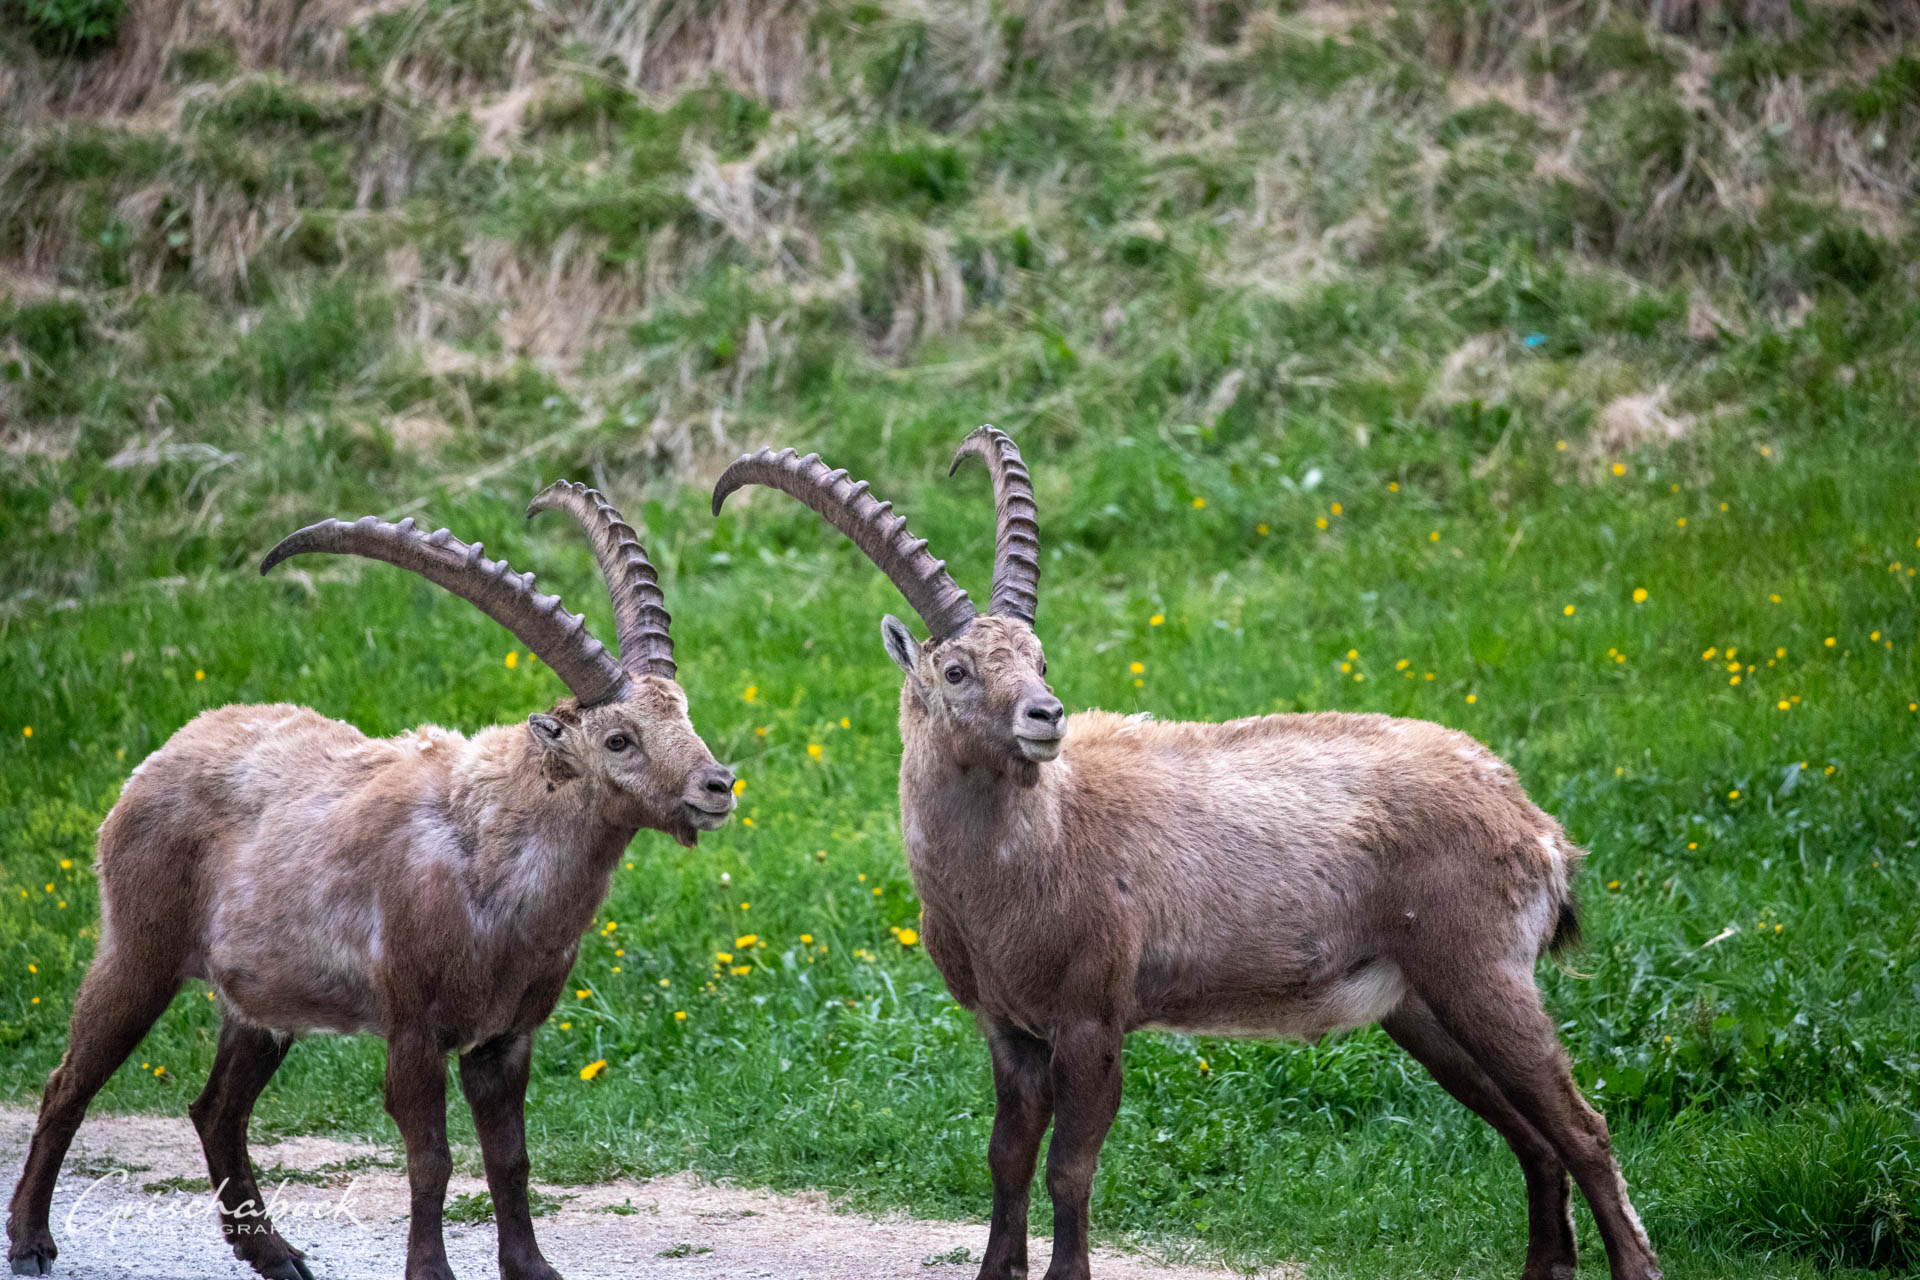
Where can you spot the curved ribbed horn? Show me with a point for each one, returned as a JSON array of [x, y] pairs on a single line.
[[847, 505], [640, 618], [1016, 544], [558, 638]]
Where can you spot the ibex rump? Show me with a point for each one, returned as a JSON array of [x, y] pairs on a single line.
[[1086, 876], [428, 888]]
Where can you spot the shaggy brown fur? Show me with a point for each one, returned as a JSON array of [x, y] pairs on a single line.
[[428, 888]]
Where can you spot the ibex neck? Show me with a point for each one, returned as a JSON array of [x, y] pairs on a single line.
[[543, 849], [958, 808]]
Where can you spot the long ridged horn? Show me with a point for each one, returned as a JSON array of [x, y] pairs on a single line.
[[558, 638], [640, 617], [1016, 544], [847, 505]]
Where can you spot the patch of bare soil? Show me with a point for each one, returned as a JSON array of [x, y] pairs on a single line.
[[133, 1204]]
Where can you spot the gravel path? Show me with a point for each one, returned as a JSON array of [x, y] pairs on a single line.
[[668, 1227]]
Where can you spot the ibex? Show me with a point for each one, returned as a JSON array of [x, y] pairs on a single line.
[[427, 888], [1286, 875]]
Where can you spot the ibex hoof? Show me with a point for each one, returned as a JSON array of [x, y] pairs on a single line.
[[32, 1264], [294, 1268]]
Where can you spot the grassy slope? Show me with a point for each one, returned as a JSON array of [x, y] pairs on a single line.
[[1225, 280]]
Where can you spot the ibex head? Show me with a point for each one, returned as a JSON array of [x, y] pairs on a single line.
[[980, 677], [624, 733]]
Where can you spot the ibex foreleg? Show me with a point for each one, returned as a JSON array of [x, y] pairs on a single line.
[[1086, 1097], [417, 1101], [494, 1078], [1023, 1107]]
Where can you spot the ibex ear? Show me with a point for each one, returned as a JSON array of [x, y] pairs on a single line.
[[901, 646], [546, 732], [550, 736]]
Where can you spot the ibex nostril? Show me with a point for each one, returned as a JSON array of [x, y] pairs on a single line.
[[1047, 713]]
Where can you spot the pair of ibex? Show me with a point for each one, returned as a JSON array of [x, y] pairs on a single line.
[[1081, 877]]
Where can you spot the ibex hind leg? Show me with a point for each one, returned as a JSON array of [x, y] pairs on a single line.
[[1497, 1017], [120, 998], [1550, 1240], [246, 1059]]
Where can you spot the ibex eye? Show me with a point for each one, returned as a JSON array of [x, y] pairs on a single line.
[[618, 742], [955, 675]]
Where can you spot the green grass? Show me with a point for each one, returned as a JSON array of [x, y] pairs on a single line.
[[1309, 272]]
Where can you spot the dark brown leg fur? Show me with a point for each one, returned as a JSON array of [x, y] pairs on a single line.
[[494, 1078], [119, 999], [1550, 1242], [1497, 1018], [1086, 1097], [245, 1061], [1023, 1106]]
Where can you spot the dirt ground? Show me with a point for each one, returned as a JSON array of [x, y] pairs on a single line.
[[113, 1223]]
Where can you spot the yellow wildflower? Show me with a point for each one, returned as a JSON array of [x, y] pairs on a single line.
[[593, 1068], [1568, 611], [1137, 667], [1199, 503], [1156, 619], [907, 936], [679, 1015], [513, 659], [813, 750], [1639, 595], [746, 940]]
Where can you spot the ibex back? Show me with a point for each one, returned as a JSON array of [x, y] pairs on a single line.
[[428, 888], [1084, 876]]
